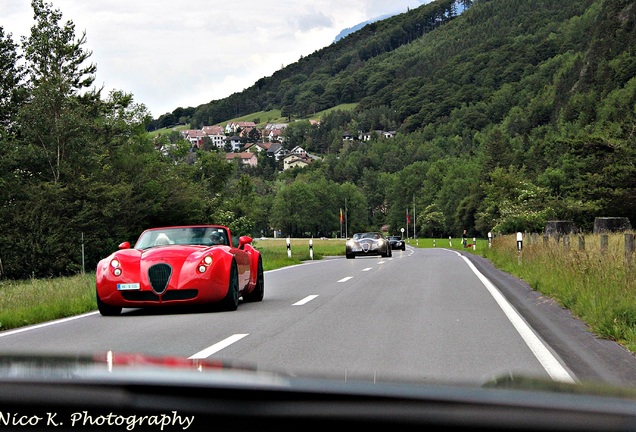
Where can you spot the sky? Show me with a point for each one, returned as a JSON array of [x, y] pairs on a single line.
[[170, 54]]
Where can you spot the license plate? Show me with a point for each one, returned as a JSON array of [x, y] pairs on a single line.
[[127, 286]]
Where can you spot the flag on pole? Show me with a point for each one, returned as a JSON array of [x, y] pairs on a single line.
[[341, 218], [408, 218]]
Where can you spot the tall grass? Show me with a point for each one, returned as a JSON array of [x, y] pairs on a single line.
[[37, 300]]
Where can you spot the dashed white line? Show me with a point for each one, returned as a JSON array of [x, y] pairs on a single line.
[[345, 279], [218, 346], [367, 269], [305, 300]]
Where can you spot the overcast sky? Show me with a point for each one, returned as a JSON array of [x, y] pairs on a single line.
[[184, 53]]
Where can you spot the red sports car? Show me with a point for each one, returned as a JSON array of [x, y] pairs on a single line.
[[198, 264]]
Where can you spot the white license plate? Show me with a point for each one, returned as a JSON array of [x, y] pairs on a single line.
[[128, 286]]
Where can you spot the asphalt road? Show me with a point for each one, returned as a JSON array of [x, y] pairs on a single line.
[[424, 314]]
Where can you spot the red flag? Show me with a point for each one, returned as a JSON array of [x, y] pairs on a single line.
[[408, 218], [341, 219]]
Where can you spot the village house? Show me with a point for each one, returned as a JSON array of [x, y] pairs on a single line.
[[348, 136], [276, 151], [257, 147], [246, 158], [275, 135], [194, 137], [234, 142], [296, 160], [272, 126], [216, 135], [235, 127]]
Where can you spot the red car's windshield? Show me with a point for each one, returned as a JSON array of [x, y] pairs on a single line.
[[207, 236]]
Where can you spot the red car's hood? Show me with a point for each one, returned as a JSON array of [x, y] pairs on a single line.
[[173, 253]]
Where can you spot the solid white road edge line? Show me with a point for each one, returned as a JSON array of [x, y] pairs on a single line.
[[45, 324], [218, 346], [552, 366]]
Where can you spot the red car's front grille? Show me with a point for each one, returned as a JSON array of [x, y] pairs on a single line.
[[140, 296], [159, 276], [147, 296]]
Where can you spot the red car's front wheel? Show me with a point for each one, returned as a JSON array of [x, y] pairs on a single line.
[[105, 309], [231, 299]]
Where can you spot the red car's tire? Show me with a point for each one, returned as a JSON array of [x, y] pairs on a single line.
[[231, 299], [106, 310], [259, 289]]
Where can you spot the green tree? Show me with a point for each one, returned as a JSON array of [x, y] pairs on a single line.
[[12, 91], [431, 222], [57, 110]]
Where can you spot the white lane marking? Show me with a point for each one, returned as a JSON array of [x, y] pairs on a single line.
[[552, 366], [345, 279], [218, 346], [367, 269], [46, 324], [305, 300]]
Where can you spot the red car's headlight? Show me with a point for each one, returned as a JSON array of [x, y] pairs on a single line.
[[205, 263], [116, 267]]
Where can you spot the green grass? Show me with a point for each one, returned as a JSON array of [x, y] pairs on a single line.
[[275, 255], [597, 286], [38, 300], [166, 130]]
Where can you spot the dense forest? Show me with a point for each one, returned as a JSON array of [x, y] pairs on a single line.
[[509, 113]]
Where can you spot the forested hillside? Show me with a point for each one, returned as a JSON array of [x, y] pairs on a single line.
[[509, 114]]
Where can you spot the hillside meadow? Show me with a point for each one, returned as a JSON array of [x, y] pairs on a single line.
[[262, 118]]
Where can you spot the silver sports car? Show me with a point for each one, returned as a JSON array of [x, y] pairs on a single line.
[[368, 243]]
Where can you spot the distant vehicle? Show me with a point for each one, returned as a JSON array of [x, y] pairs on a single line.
[[396, 242], [180, 265], [368, 243]]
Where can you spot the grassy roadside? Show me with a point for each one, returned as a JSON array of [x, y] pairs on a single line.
[[597, 286]]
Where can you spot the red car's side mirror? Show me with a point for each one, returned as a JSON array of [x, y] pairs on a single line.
[[243, 240], [124, 245]]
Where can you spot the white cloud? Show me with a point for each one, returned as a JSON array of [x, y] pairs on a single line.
[[177, 54]]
